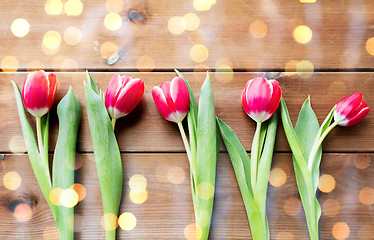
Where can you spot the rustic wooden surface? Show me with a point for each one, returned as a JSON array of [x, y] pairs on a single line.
[[244, 39]]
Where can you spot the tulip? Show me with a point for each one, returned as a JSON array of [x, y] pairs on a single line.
[[260, 98], [172, 99], [351, 110], [39, 92], [122, 95]]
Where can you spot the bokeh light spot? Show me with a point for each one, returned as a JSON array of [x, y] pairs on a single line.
[[138, 183], [54, 196], [305, 69], [366, 196], [190, 232], [72, 35], [108, 49], [23, 212], [307, 1], [203, 5], [176, 25], [370, 46], [284, 236], [338, 87], [258, 29], [362, 162], [366, 232], [127, 221], [302, 34], [73, 7], [34, 65], [326, 183], [192, 21], [9, 64], [69, 63], [113, 21], [109, 221], [341, 231], [205, 190], [277, 177], [53, 7], [224, 70], [145, 63], [20, 27], [52, 40], [176, 175], [291, 66], [17, 144], [331, 207], [199, 53], [69, 198], [12, 180], [138, 197], [292, 206], [114, 6], [50, 233], [80, 190]]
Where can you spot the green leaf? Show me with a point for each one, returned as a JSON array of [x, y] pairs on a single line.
[[106, 152], [69, 113], [92, 83], [39, 167]]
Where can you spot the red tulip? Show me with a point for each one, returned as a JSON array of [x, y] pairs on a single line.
[[260, 98], [39, 92], [122, 95], [172, 99], [351, 110]]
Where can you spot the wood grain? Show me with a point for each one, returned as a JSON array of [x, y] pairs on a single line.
[[144, 130], [339, 35], [168, 209]]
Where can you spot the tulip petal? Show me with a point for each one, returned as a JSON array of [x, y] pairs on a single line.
[[52, 89], [357, 118], [258, 95], [129, 96], [180, 95], [160, 101], [112, 91], [275, 98], [349, 104]]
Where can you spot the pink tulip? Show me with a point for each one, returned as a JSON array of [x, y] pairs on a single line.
[[172, 99], [39, 92], [122, 95], [351, 110], [260, 98]]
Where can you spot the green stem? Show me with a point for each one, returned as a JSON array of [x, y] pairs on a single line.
[[42, 152], [254, 156], [317, 143], [187, 147], [110, 235], [114, 122]]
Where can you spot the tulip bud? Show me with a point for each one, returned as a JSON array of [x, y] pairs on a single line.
[[260, 98], [123, 94], [351, 110], [172, 99], [39, 92]]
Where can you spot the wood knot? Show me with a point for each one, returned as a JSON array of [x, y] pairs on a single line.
[[137, 16], [2, 156], [26, 199]]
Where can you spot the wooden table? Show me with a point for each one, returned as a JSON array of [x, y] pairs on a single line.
[[320, 48]]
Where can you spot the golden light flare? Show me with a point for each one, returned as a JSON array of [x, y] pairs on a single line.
[[54, 7], [73, 7], [277, 177], [284, 236], [114, 5], [292, 206], [338, 87], [305, 69], [34, 65], [203, 5], [370, 46], [52, 40], [291, 66], [20, 27], [69, 198], [199, 53], [205, 190], [190, 232], [72, 35], [17, 144], [192, 21], [54, 196], [302, 34], [176, 175], [224, 70], [326, 183], [113, 21], [258, 29], [307, 1], [50, 233], [145, 63], [23, 212], [331, 207], [12, 180], [9, 64], [138, 197], [69, 63], [366, 196], [341, 231], [362, 162], [176, 25], [366, 232], [138, 183], [109, 221], [108, 49], [80, 190], [127, 221]]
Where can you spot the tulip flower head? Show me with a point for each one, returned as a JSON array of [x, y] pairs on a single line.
[[172, 99], [351, 110], [39, 92], [122, 95], [260, 98]]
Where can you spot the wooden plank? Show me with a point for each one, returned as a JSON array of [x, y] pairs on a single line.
[[145, 130], [339, 34], [168, 208]]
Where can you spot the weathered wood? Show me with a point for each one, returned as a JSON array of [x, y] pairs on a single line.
[[339, 34], [144, 130], [168, 208]]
